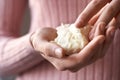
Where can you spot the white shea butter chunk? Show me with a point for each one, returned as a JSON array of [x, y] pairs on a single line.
[[72, 39]]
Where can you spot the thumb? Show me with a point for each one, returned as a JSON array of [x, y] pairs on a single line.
[[51, 49]]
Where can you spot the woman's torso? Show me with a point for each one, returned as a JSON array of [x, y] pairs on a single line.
[[51, 13]]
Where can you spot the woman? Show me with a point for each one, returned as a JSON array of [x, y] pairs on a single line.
[[33, 57]]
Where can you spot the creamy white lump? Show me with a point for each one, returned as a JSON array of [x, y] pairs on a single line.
[[72, 39]]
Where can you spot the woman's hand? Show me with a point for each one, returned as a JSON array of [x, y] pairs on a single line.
[[40, 41], [95, 50], [94, 6], [76, 61]]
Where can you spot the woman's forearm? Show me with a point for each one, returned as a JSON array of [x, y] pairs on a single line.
[[17, 55]]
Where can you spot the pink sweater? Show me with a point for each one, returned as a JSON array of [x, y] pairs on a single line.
[[18, 57]]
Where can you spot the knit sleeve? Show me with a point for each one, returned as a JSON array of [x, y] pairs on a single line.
[[16, 52]]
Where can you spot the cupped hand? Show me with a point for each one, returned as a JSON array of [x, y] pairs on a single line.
[[41, 42], [76, 61], [95, 50]]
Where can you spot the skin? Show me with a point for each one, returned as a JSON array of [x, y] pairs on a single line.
[[102, 35], [93, 7], [92, 52]]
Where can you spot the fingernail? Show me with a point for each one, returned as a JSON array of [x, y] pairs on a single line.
[[58, 52]]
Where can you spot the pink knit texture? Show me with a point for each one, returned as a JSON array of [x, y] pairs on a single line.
[[18, 57]]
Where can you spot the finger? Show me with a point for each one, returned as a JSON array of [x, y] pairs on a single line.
[[111, 11], [113, 23], [90, 49], [93, 20], [109, 36], [47, 34], [50, 49], [100, 30], [93, 7]]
